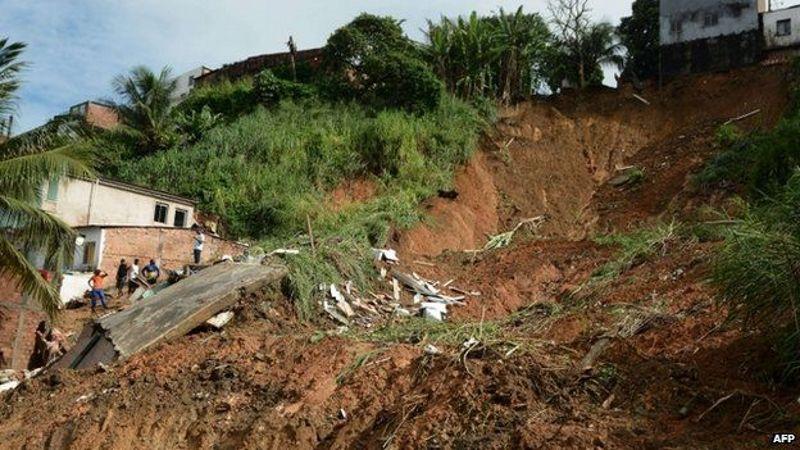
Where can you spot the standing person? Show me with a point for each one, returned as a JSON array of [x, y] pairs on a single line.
[[199, 240], [122, 276], [133, 275], [151, 272], [96, 283]]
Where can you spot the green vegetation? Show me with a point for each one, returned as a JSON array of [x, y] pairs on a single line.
[[26, 163], [145, 111], [229, 99], [757, 272], [639, 34], [633, 249], [494, 56]]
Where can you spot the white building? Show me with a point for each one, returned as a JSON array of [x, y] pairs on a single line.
[[691, 20], [185, 82], [782, 28], [103, 202]]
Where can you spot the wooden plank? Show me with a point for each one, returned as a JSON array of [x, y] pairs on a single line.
[[185, 305]]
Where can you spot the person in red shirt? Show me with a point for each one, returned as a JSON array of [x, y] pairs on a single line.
[[96, 283]]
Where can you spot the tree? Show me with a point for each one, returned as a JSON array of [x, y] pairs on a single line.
[[581, 47], [145, 109], [372, 60], [10, 67], [639, 33], [26, 163], [497, 56]]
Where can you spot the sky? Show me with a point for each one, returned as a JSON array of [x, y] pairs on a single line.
[[75, 47]]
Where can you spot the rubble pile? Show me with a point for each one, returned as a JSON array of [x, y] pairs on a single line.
[[406, 295]]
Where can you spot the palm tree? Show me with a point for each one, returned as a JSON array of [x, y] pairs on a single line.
[[146, 105], [10, 68], [26, 162]]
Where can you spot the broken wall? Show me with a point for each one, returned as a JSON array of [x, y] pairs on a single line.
[[690, 20], [19, 317]]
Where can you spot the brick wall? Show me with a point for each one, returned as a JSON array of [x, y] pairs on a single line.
[[171, 247], [101, 116], [18, 320]]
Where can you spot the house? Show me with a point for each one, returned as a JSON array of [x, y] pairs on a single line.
[[185, 82], [781, 28], [95, 113], [114, 220], [252, 66], [707, 35]]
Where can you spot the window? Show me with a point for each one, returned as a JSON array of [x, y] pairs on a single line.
[[52, 189], [711, 20], [784, 27], [88, 253], [180, 218], [677, 27], [160, 215]]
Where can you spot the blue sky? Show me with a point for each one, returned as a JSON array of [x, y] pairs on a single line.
[[75, 47]]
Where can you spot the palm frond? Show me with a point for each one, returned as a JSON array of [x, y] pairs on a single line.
[[24, 169], [16, 267], [37, 231], [10, 68]]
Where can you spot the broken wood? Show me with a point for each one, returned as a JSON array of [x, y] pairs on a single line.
[[414, 284], [588, 361], [641, 99], [311, 235], [743, 116]]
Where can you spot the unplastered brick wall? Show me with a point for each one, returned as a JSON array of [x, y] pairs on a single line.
[[101, 116], [171, 247], [18, 321]]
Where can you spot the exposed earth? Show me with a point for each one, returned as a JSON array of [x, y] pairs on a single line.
[[644, 359]]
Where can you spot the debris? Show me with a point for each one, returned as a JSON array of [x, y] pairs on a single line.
[[742, 117], [85, 398], [587, 363], [431, 349], [33, 373], [461, 291], [469, 343], [395, 290], [102, 367], [607, 403], [7, 375], [334, 313], [342, 414], [9, 386], [434, 311], [424, 263], [389, 256], [284, 251], [402, 312], [341, 303], [641, 99], [415, 285], [504, 239], [220, 320]]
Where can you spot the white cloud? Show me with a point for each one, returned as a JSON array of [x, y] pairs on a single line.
[[75, 48]]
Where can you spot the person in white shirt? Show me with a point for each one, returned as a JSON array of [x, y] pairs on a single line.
[[199, 240], [133, 275]]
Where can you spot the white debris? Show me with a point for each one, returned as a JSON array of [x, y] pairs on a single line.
[[32, 373], [342, 414], [334, 313], [395, 290], [284, 251], [469, 343], [84, 398], [9, 386], [7, 375], [390, 255], [402, 312], [341, 303], [432, 349], [220, 320], [434, 311], [417, 299], [383, 272]]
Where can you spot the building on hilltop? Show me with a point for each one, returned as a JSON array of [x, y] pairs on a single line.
[[185, 82], [250, 67], [708, 35]]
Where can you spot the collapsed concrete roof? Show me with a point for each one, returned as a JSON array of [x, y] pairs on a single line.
[[172, 312]]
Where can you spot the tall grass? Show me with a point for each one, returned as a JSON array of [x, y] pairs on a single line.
[[268, 173], [758, 272]]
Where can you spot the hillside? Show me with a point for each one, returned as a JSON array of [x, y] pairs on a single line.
[[596, 330]]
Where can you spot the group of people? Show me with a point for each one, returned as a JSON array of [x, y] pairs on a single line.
[[131, 276], [128, 275]]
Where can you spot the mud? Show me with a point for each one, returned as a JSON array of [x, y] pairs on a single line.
[[682, 377]]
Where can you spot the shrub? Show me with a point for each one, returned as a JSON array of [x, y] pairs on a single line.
[[400, 81], [195, 124], [271, 90], [758, 274], [230, 99]]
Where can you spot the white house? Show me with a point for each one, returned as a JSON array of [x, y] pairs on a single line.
[[782, 28], [185, 82]]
